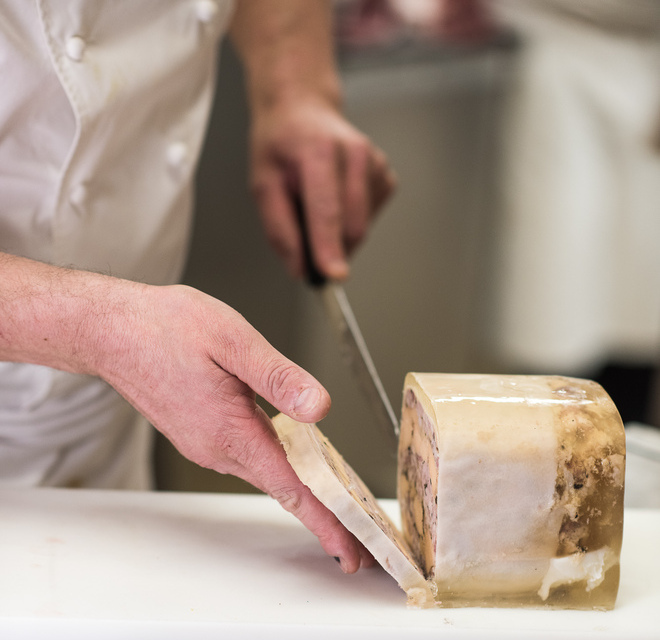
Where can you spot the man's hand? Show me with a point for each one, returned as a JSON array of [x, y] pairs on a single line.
[[301, 144], [192, 367], [186, 361], [308, 149]]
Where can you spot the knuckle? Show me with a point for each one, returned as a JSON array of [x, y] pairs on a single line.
[[281, 245], [278, 234], [233, 443], [329, 214], [324, 149], [233, 345], [280, 377], [290, 499], [355, 232], [326, 210], [379, 158], [380, 168], [230, 449], [360, 148]]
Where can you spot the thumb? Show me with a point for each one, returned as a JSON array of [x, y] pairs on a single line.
[[278, 380]]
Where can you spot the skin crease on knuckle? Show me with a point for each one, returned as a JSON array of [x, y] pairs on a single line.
[[280, 378], [232, 345], [193, 425], [233, 438], [291, 500], [245, 353], [233, 448], [334, 538]]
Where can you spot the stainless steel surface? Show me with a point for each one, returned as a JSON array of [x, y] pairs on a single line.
[[355, 353]]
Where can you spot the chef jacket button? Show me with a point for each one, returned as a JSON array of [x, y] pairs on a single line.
[[78, 195], [206, 10], [75, 48], [177, 155]]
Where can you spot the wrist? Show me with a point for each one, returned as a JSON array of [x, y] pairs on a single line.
[[287, 51], [290, 82], [109, 326]]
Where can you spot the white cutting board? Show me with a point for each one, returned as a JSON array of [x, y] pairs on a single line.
[[104, 564]]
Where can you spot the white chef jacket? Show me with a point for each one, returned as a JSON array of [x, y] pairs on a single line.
[[103, 109], [580, 244]]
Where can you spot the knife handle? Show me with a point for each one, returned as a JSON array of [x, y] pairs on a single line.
[[313, 276]]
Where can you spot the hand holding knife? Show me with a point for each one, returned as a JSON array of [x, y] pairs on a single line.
[[352, 345]]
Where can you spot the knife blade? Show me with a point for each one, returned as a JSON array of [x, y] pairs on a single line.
[[352, 345]]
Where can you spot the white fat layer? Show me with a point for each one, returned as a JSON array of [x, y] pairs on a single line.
[[513, 526], [590, 566], [497, 471]]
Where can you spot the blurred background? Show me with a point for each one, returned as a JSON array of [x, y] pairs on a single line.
[[525, 234]]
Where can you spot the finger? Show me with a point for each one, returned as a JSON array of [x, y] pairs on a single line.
[[276, 477], [278, 218], [366, 559], [320, 178], [357, 196], [243, 352], [248, 447], [383, 181], [269, 470]]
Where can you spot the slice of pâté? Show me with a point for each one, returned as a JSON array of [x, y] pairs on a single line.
[[331, 479]]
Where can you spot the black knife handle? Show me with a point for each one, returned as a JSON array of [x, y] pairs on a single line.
[[313, 276]]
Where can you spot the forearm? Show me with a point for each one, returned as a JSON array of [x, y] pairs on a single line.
[[287, 50], [63, 318]]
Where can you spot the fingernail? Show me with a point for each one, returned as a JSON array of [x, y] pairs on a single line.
[[338, 270], [341, 564], [307, 401]]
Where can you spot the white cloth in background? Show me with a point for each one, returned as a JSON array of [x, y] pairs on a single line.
[[580, 251], [642, 466], [69, 431], [103, 110], [639, 18]]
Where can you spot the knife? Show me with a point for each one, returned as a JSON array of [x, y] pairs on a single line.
[[352, 346]]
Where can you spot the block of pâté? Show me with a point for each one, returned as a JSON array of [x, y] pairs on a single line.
[[510, 489]]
